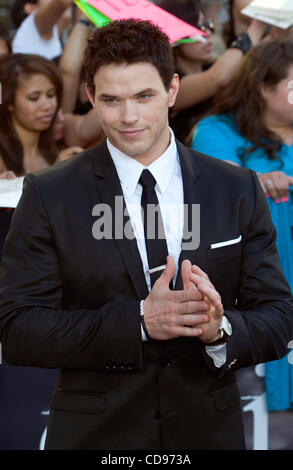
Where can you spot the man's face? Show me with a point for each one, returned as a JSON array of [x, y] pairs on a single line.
[[132, 105]]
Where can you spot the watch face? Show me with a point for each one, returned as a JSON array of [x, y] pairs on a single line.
[[226, 325]]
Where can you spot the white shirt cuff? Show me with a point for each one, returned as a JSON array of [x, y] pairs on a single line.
[[218, 354], [143, 336]]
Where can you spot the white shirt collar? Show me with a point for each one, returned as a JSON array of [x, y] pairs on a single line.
[[129, 170]]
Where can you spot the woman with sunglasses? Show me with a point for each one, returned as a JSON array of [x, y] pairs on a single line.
[[199, 84]]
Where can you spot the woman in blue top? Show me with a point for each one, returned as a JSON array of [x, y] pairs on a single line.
[[252, 126]]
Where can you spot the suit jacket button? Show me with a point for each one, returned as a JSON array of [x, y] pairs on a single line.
[[165, 363]]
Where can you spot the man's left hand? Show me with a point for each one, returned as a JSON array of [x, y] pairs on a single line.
[[201, 280]]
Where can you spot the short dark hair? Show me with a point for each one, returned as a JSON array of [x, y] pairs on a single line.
[[17, 12], [129, 42]]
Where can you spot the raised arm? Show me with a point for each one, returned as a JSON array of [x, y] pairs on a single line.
[[198, 87], [48, 15], [71, 63], [83, 130], [241, 22]]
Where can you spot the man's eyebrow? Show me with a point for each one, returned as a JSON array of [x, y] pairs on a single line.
[[146, 91], [105, 95], [139, 93]]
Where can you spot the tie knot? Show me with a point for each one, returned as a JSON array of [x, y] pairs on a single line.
[[147, 180]]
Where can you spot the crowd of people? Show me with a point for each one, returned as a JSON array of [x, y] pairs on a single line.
[[234, 107], [46, 116]]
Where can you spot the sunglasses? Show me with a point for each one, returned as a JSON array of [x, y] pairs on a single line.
[[206, 25]]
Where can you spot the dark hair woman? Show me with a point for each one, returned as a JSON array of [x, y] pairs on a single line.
[[31, 96], [252, 126], [253, 117]]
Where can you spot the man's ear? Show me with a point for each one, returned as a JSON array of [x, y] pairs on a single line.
[[90, 96], [29, 7], [173, 90]]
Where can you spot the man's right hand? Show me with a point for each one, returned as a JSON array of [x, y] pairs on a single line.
[[170, 314]]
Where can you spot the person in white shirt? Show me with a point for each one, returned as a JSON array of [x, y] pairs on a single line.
[[39, 23]]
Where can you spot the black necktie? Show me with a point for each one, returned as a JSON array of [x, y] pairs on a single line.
[[155, 239]]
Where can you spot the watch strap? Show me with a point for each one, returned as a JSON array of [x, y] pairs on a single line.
[[225, 331], [242, 42]]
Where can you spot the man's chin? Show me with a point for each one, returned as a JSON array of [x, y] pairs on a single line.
[[133, 150]]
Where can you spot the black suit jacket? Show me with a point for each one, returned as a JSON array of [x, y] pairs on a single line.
[[70, 301]]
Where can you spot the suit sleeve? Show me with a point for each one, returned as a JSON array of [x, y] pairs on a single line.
[[34, 329], [262, 320]]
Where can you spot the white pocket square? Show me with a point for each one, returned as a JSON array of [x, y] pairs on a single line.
[[226, 243]]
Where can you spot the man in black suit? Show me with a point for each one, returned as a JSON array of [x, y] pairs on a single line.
[[147, 330]]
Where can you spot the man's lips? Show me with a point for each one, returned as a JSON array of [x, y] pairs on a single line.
[[131, 132]]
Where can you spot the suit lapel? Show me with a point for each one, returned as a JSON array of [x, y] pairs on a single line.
[[193, 190], [109, 188]]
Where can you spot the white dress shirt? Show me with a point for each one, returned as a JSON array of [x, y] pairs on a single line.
[[169, 189]]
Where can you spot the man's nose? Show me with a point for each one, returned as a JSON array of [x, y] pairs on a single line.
[[129, 113]]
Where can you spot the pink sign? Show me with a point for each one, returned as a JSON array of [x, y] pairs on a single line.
[[144, 10]]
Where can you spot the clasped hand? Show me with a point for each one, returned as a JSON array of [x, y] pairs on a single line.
[[194, 311]]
